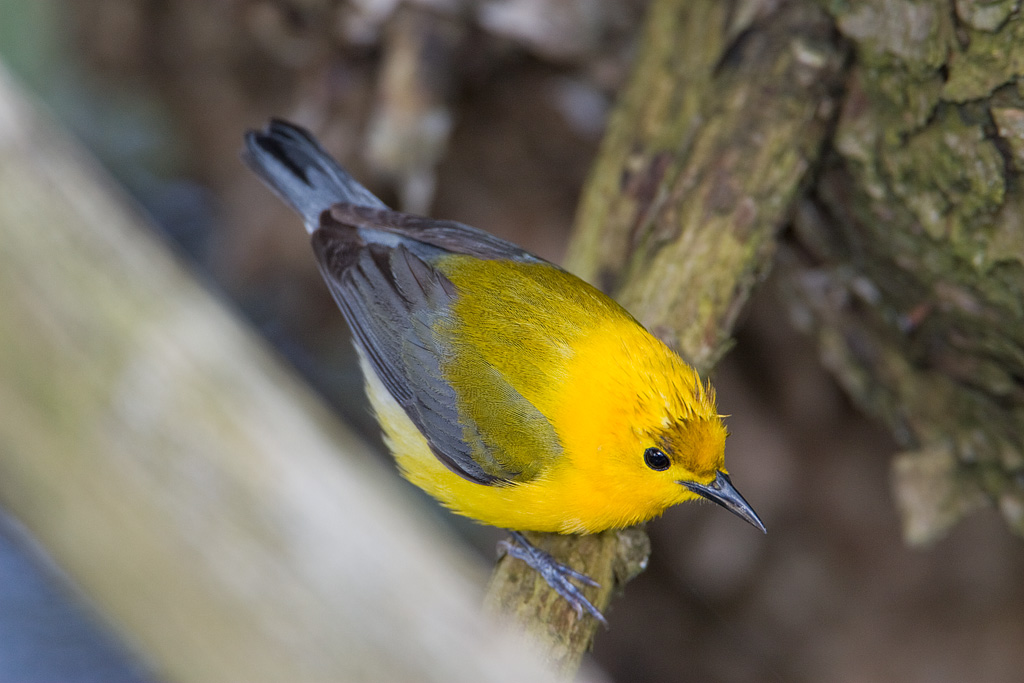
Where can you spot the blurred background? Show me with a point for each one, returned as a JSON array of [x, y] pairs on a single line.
[[491, 113]]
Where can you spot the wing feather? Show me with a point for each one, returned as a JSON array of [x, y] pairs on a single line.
[[389, 298], [378, 266], [424, 236]]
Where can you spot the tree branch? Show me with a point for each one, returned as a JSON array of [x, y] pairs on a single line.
[[725, 112]]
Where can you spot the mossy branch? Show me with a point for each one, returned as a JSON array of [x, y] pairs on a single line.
[[907, 263], [725, 112]]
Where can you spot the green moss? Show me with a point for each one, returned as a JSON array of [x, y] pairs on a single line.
[[988, 61], [950, 176], [926, 207], [905, 100]]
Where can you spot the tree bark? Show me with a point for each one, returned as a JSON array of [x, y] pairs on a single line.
[[907, 262]]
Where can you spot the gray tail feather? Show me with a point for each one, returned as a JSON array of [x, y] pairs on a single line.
[[290, 160]]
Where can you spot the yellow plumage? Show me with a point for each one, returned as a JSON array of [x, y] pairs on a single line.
[[510, 390], [608, 388]]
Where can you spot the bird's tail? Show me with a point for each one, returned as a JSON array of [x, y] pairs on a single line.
[[290, 160]]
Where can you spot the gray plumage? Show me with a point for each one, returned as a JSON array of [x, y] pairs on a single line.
[[379, 267], [301, 172]]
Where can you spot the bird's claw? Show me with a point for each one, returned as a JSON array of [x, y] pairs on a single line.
[[555, 573]]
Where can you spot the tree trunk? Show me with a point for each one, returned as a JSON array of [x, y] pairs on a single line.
[[906, 261]]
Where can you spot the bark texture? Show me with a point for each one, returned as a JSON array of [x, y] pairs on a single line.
[[907, 262]]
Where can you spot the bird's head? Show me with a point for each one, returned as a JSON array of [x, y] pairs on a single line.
[[645, 434]]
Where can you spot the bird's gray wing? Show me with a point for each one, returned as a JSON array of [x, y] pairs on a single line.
[[390, 298]]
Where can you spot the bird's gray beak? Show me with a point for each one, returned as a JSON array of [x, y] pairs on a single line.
[[722, 491]]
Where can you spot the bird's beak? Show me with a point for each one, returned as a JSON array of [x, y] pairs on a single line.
[[722, 491]]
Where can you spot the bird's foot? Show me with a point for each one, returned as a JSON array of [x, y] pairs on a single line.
[[554, 572]]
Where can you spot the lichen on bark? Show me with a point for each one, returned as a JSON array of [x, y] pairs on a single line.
[[908, 259]]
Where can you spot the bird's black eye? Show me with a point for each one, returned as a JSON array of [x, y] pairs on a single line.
[[656, 460]]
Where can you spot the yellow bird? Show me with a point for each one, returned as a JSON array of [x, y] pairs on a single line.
[[510, 390]]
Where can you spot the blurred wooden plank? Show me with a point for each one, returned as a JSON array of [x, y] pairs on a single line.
[[205, 501]]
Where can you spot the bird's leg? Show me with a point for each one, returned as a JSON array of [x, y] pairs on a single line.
[[554, 572]]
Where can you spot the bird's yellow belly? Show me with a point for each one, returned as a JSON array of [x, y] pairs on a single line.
[[531, 506]]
